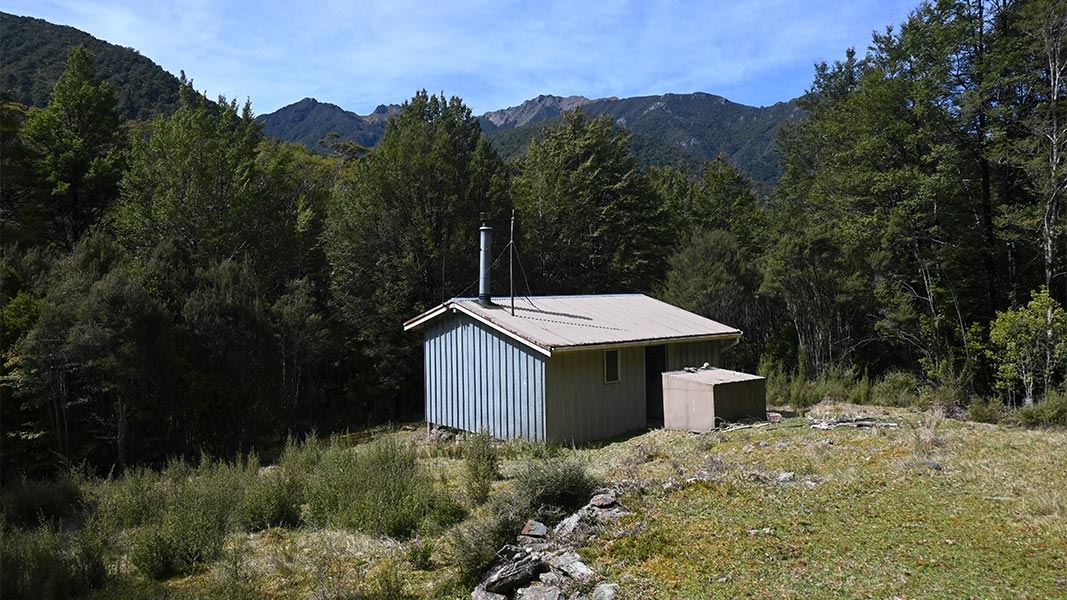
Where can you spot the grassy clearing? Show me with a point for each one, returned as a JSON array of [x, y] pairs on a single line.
[[933, 508]]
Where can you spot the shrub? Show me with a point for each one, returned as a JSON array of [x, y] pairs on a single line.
[[986, 410], [948, 396], [300, 458], [1029, 347], [384, 582], [131, 501], [551, 488], [481, 467], [190, 529], [271, 499], [185, 537], [41, 563], [1051, 410], [473, 546], [839, 385], [420, 554], [379, 488], [443, 513], [35, 501], [897, 388]]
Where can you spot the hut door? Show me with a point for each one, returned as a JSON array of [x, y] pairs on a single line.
[[655, 365]]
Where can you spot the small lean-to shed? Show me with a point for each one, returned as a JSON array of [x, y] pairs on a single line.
[[568, 369], [701, 399]]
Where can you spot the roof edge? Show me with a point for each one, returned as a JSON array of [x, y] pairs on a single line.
[[419, 319], [733, 335], [457, 307]]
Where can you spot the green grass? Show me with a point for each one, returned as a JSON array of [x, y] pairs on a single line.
[[878, 522], [863, 515]]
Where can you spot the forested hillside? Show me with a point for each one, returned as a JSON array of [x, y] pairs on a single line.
[[671, 130], [35, 53], [310, 122], [676, 130], [190, 285]]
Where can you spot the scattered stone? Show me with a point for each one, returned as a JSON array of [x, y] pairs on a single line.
[[567, 526], [764, 531], [532, 544], [571, 565], [786, 477], [539, 592], [610, 514], [442, 435], [858, 422], [774, 417], [551, 578], [606, 500], [932, 464], [479, 593], [510, 576], [604, 591], [535, 529]]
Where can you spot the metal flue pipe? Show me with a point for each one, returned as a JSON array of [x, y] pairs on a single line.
[[485, 261]]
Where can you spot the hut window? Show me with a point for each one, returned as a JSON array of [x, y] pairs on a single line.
[[611, 366]]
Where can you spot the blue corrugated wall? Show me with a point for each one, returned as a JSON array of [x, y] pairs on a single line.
[[480, 380]]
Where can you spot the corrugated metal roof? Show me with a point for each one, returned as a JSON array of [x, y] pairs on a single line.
[[565, 322], [713, 376]]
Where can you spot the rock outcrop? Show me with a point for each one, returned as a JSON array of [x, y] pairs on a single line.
[[544, 564]]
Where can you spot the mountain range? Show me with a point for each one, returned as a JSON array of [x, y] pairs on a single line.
[[667, 129]]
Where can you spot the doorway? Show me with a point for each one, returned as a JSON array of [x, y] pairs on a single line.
[[655, 365]]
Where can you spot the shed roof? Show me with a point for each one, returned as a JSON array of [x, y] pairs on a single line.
[[550, 323], [713, 376]]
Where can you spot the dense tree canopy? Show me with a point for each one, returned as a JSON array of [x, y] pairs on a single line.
[[185, 285], [590, 220], [402, 234]]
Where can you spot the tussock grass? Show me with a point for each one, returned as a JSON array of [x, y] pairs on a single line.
[[481, 467], [863, 514], [379, 488], [34, 501], [43, 563]]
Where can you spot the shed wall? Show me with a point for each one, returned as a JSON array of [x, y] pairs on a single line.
[[741, 400], [580, 407], [480, 380]]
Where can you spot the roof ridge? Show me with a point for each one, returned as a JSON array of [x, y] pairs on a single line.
[[551, 296]]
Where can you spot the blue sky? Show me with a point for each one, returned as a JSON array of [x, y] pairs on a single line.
[[493, 53]]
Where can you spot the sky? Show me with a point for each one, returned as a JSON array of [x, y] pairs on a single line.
[[492, 53]]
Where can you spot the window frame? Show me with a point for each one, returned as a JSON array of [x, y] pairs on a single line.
[[618, 366]]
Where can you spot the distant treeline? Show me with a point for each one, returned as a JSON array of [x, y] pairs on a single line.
[[186, 285]]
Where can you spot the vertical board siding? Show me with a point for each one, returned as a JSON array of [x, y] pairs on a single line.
[[580, 407], [478, 379], [693, 354]]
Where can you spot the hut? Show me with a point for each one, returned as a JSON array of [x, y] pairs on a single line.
[[568, 369]]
